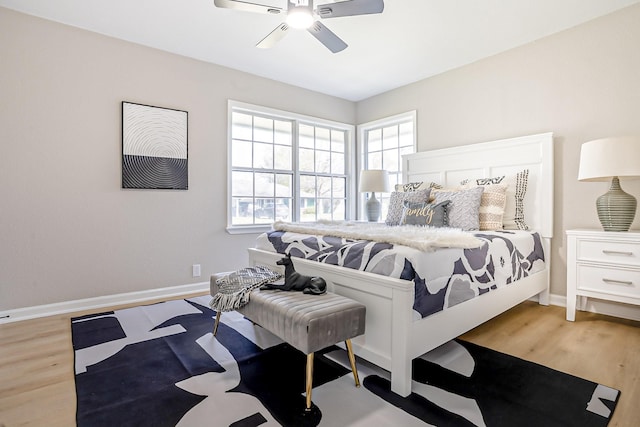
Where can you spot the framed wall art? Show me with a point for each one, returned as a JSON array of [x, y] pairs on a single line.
[[154, 147]]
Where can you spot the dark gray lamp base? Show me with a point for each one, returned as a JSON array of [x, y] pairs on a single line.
[[616, 209]]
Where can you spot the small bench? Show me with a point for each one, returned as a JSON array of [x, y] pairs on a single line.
[[307, 322]]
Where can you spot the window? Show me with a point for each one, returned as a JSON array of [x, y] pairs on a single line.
[[286, 166], [383, 143]]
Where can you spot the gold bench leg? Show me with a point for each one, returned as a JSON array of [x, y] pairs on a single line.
[[352, 360], [309, 379], [215, 325]]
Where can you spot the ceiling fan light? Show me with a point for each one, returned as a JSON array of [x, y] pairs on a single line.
[[300, 18]]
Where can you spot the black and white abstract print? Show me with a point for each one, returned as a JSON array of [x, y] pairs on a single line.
[[154, 147], [443, 278], [159, 365]]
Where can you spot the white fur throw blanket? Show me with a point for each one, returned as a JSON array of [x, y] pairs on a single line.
[[421, 238]]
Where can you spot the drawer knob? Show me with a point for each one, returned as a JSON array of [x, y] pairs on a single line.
[[618, 282], [606, 252]]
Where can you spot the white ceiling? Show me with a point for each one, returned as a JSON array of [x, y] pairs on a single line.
[[409, 41]]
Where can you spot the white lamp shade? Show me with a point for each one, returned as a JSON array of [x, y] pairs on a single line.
[[602, 159], [374, 180]]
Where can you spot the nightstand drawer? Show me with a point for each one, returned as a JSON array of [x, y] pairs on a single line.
[[613, 281], [609, 252]]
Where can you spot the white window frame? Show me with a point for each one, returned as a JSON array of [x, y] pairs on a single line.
[[350, 160], [363, 131]]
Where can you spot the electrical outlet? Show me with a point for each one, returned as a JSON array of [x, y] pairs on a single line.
[[195, 270]]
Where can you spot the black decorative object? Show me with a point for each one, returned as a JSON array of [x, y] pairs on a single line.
[[154, 147], [294, 281]]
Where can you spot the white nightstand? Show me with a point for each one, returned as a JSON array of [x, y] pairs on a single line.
[[603, 265]]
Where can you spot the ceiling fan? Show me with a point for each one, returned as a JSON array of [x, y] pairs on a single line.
[[300, 14]]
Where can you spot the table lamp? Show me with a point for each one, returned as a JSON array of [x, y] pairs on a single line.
[[612, 158], [373, 180]]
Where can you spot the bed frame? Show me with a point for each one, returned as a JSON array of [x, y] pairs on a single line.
[[393, 338]]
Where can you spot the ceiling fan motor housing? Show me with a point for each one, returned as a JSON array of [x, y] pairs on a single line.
[[301, 15]]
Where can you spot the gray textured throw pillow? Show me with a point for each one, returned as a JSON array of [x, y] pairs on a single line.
[[396, 204], [426, 214], [464, 210]]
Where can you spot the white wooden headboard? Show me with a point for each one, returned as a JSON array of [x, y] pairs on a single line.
[[449, 166]]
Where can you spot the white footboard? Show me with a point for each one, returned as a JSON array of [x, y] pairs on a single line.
[[389, 303], [392, 338]]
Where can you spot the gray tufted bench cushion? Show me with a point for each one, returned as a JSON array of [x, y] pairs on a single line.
[[306, 322]]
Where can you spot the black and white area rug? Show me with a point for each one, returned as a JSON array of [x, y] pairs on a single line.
[[159, 365]]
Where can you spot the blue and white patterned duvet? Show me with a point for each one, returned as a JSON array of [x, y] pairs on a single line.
[[443, 278]]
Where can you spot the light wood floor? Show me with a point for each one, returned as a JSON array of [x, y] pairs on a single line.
[[37, 380]]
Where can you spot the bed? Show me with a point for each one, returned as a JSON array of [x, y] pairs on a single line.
[[393, 335]]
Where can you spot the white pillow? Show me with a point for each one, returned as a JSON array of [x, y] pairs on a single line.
[[415, 186], [514, 209], [513, 218]]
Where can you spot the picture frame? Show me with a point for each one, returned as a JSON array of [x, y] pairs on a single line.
[[154, 147]]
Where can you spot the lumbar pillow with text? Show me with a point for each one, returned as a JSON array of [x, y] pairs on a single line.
[[394, 214], [426, 214]]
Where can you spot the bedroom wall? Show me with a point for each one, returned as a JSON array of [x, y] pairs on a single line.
[[580, 84], [67, 229]]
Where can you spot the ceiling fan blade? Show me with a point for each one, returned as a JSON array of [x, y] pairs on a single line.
[[248, 6], [273, 37], [350, 8], [327, 37]]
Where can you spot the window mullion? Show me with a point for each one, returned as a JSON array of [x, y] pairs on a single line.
[[295, 146]]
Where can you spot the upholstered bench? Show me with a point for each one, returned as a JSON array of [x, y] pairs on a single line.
[[306, 322]]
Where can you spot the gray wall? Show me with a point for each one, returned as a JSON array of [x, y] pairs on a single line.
[[581, 84], [67, 229]]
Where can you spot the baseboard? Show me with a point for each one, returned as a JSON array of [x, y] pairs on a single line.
[[33, 312], [625, 311]]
